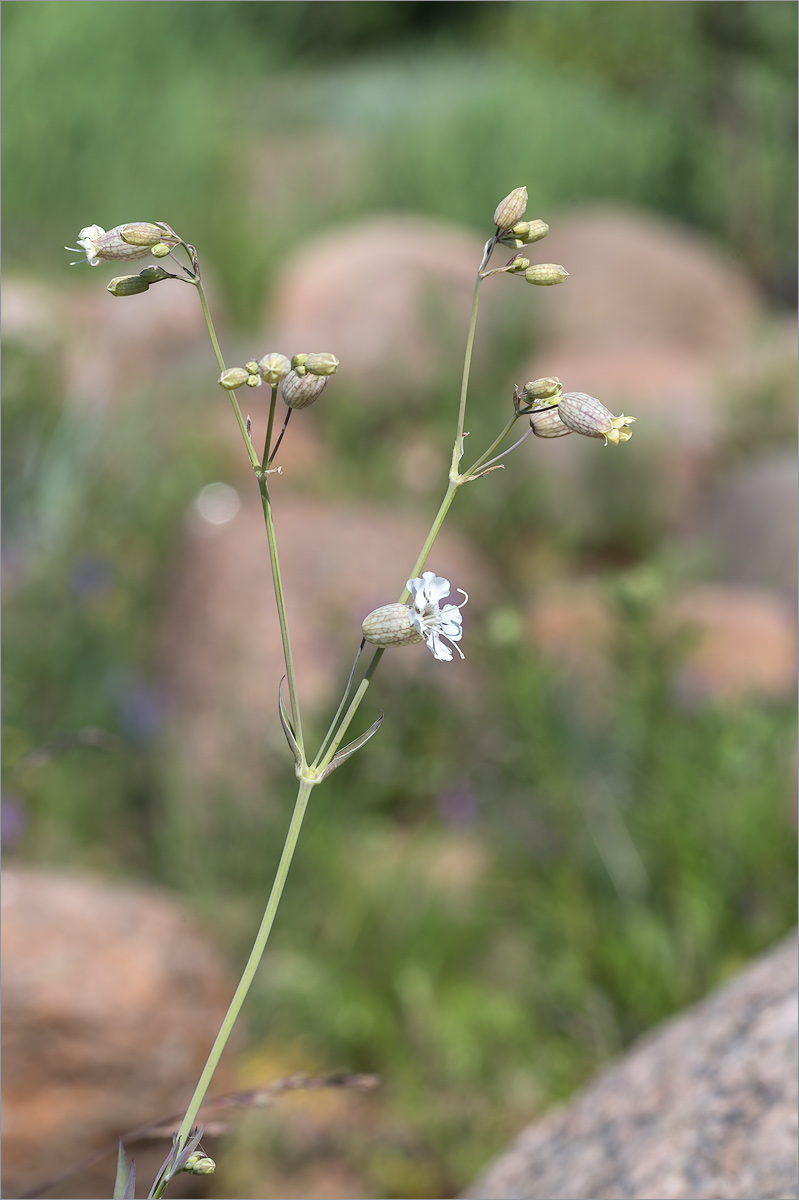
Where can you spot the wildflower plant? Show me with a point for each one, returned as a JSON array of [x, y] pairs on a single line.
[[420, 614]]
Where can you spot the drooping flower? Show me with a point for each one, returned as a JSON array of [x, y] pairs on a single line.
[[586, 415], [421, 621], [99, 246], [432, 621]]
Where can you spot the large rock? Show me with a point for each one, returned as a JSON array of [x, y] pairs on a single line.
[[111, 1001], [732, 643], [703, 1107], [390, 296], [643, 280]]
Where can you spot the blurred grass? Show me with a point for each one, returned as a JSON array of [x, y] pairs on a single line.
[[485, 906], [247, 121]]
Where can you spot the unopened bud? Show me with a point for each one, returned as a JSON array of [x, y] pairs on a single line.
[[321, 364], [154, 274], [546, 423], [253, 380], [390, 626], [542, 389], [127, 285], [518, 265], [586, 415], [530, 231], [141, 233], [546, 274], [200, 1164], [161, 250], [234, 377], [274, 368], [251, 366], [298, 364], [301, 390], [511, 210]]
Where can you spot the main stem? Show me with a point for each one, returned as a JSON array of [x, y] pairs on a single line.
[[280, 601], [249, 971], [306, 786]]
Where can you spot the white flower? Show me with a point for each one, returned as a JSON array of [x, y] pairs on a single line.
[[432, 622], [96, 244]]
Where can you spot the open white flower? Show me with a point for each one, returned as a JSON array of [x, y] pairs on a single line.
[[432, 622]]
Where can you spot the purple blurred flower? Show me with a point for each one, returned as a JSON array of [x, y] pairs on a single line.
[[457, 806], [13, 820], [91, 576]]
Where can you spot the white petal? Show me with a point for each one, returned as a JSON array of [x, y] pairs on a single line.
[[438, 649], [435, 587]]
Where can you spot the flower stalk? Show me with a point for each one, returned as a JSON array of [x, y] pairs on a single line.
[[303, 377]]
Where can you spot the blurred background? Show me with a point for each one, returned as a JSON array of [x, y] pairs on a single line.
[[549, 847]]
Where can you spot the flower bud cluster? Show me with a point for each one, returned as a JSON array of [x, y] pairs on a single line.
[[304, 377], [199, 1164], [513, 231]]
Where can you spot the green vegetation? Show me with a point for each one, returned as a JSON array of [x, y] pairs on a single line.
[[278, 117]]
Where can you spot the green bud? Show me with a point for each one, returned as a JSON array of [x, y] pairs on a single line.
[[518, 265], [199, 1164], [530, 231], [127, 285], [161, 250], [253, 380], [274, 368], [546, 274], [542, 389], [234, 377], [141, 233], [301, 390], [154, 274], [298, 364], [321, 364], [251, 366]]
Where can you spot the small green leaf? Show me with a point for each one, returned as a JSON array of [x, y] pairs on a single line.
[[344, 754], [125, 1182]]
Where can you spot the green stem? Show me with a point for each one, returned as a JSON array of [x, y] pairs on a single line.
[[270, 423], [455, 481], [270, 527], [280, 601], [497, 442], [249, 971], [353, 708], [214, 342], [467, 361], [210, 324]]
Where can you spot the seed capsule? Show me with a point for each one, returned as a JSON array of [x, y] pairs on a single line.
[[301, 390], [511, 210], [390, 626]]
